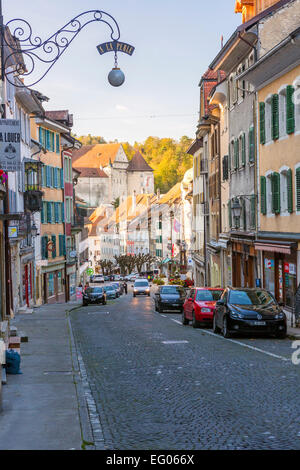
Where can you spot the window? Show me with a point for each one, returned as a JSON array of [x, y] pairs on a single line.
[[275, 116], [251, 145], [290, 109], [268, 120], [284, 191], [269, 206]]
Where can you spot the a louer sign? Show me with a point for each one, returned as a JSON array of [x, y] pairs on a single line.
[[10, 145]]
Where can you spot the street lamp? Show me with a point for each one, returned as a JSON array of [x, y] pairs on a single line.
[[236, 211], [18, 39]]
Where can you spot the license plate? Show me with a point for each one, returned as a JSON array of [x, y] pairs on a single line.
[[260, 323], [175, 305]]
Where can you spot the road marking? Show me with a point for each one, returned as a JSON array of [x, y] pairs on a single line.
[[176, 321], [246, 346]]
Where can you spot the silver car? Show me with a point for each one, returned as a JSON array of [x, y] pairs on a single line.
[[141, 287]]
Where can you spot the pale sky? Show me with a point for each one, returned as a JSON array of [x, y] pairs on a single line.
[[175, 42]]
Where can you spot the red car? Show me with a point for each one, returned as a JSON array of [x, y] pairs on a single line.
[[199, 306]]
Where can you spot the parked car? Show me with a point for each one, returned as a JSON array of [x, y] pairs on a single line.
[[106, 278], [119, 287], [94, 295], [141, 287], [199, 306], [98, 278], [169, 298], [249, 311], [111, 292]]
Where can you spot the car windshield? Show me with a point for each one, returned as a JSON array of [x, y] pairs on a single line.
[[108, 288], [255, 297], [116, 285], [94, 290], [208, 295], [141, 284], [171, 290]]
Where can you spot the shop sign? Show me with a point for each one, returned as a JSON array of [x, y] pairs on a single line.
[[12, 232], [269, 263], [115, 46], [10, 145]]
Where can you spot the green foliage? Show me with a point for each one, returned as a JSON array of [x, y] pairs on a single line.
[[159, 282], [166, 156], [90, 139]]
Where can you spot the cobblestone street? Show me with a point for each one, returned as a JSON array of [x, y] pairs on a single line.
[[159, 385]]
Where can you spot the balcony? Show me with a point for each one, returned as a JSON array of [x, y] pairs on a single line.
[[77, 223], [33, 199]]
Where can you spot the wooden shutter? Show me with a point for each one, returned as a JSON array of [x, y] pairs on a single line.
[[229, 158], [289, 177], [262, 122], [225, 168], [275, 117], [290, 110], [62, 212], [62, 178], [56, 177], [251, 145], [57, 143], [243, 149], [298, 189], [276, 193], [48, 146], [263, 195], [64, 245], [41, 135]]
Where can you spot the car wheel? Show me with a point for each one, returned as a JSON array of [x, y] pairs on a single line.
[[184, 320], [195, 323], [216, 329], [84, 305], [225, 331], [281, 334], [159, 309]]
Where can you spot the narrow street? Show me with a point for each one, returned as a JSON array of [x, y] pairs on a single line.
[[159, 385]]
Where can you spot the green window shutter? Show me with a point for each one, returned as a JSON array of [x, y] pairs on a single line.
[[251, 145], [49, 217], [244, 213], [54, 246], [62, 212], [262, 122], [64, 245], [62, 185], [229, 158], [41, 135], [57, 143], [276, 193], [298, 189], [229, 213], [263, 195], [290, 110], [60, 245], [253, 211], [289, 176], [52, 142], [56, 177], [275, 117], [57, 212], [236, 154], [42, 214], [243, 149], [48, 147], [44, 247]]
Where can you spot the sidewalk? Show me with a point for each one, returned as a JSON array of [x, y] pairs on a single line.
[[45, 408]]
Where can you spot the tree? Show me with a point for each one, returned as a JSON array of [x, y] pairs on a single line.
[[141, 259]]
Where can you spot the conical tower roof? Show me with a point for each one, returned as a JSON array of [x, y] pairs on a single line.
[[138, 163]]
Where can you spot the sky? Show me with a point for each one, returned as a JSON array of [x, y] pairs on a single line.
[[175, 43]]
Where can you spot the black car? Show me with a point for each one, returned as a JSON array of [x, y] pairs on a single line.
[[94, 295], [111, 292], [245, 310], [169, 298]]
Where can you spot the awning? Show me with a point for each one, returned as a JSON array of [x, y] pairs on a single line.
[[165, 261], [284, 248]]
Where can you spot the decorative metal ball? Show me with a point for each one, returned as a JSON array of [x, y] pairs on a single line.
[[116, 77]]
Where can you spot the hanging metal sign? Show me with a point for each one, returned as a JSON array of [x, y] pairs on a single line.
[[115, 46], [10, 145]]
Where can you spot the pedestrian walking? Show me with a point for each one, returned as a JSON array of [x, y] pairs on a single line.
[[297, 305], [125, 287]]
